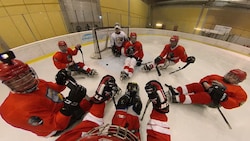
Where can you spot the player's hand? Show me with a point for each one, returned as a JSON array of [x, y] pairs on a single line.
[[158, 60], [78, 46], [191, 59], [62, 77], [71, 102]]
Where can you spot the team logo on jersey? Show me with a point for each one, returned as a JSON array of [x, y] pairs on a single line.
[[54, 96], [35, 121], [69, 58]]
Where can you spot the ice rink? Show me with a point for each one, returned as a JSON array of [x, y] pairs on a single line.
[[187, 122]]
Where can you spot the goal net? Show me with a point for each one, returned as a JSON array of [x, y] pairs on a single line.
[[101, 39]]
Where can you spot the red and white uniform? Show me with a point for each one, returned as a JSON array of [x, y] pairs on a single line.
[[175, 54], [195, 93], [130, 62], [157, 129], [62, 60], [39, 111]]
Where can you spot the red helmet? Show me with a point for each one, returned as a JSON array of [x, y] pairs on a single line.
[[62, 43], [174, 38], [18, 76], [133, 34], [241, 74]]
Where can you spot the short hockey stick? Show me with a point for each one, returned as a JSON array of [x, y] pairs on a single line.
[[158, 71], [224, 118], [82, 54], [180, 68], [145, 109]]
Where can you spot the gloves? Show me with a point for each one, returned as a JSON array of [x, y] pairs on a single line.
[[138, 63], [170, 56], [158, 59], [157, 96], [130, 51], [190, 59], [115, 51], [131, 98], [78, 47], [107, 88], [61, 77], [217, 94], [71, 103]]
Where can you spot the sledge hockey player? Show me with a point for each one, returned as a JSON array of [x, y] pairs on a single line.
[[36, 105], [63, 59], [134, 52], [125, 122], [213, 90], [118, 40], [170, 55]]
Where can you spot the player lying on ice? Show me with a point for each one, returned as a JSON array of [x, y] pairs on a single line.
[[213, 90], [37, 105], [170, 55], [125, 123], [134, 52], [63, 59]]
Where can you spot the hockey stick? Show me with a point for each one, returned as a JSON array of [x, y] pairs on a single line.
[[158, 71], [145, 109], [224, 118], [180, 68], [82, 54]]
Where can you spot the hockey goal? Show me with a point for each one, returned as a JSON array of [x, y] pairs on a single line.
[[101, 39]]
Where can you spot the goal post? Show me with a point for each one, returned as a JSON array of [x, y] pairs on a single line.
[[101, 39]]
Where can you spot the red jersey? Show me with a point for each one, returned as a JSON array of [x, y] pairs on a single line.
[[138, 51], [38, 112], [177, 53], [61, 59], [236, 95]]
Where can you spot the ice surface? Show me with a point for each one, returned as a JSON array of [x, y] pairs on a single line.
[[187, 122]]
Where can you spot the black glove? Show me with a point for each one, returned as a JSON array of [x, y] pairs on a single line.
[[190, 59], [71, 103], [170, 56], [107, 88], [130, 51], [217, 94], [61, 77], [158, 59], [138, 63], [123, 102], [137, 104], [157, 96], [115, 51]]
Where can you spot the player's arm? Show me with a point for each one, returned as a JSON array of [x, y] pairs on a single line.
[[57, 60], [236, 98]]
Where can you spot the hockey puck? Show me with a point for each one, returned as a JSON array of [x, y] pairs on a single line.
[[107, 64]]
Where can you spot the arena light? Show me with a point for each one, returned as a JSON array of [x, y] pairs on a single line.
[[158, 25]]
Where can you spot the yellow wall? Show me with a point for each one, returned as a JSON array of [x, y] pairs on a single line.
[[26, 21], [238, 19], [182, 16], [117, 11]]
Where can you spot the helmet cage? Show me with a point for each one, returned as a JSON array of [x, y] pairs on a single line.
[[24, 82], [232, 78], [112, 130]]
